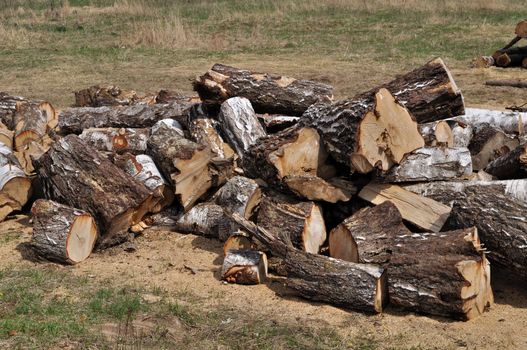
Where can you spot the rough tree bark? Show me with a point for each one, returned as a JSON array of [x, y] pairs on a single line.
[[512, 165], [509, 122], [206, 219], [109, 95], [489, 143], [117, 140]]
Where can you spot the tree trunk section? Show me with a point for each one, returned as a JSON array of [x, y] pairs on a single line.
[[15, 186], [109, 95], [240, 195], [275, 122], [512, 165], [509, 122], [489, 143], [8, 109], [437, 133], [244, 267], [117, 140], [31, 122]]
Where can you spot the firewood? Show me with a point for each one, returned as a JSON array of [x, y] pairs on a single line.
[[244, 267], [512, 165], [461, 133], [73, 173], [108, 95], [276, 122], [207, 219], [240, 124], [509, 122], [30, 122], [366, 133], [183, 162], [421, 211], [119, 140], [143, 169], [489, 143], [437, 133], [317, 189], [483, 62], [75, 120], [321, 278], [62, 233], [31, 151], [521, 29], [237, 241], [268, 93], [514, 60], [168, 96], [15, 186], [240, 195], [6, 136], [8, 109], [431, 164], [297, 223]]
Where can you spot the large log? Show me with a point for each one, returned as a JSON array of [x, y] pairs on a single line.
[[119, 140], [461, 133], [431, 164], [104, 95], [244, 267], [489, 143], [15, 186], [62, 233], [8, 109], [321, 278], [73, 173], [268, 93], [366, 133], [512, 165], [240, 195]]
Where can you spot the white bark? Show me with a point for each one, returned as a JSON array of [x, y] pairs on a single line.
[[510, 122]]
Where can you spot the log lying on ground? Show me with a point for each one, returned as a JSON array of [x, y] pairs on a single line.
[[509, 122], [317, 189], [489, 143], [62, 233], [240, 124], [517, 83], [73, 173], [298, 223], [30, 122], [141, 115], [117, 140], [512, 165], [494, 210], [268, 93], [437, 133], [421, 211], [431, 164], [366, 133], [15, 186], [169, 96], [240, 195], [244, 267], [507, 60], [318, 277], [206, 219], [183, 162], [108, 95], [142, 168]]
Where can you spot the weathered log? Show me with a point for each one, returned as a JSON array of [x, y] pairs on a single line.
[[207, 219], [321, 278], [315, 188], [512, 165], [268, 93], [141, 115], [240, 124], [240, 195], [461, 133], [73, 173], [244, 267], [8, 109], [431, 164], [515, 60], [297, 223], [30, 122], [15, 186], [62, 233], [489, 143], [107, 95], [238, 240], [509, 122], [421, 211], [183, 162], [119, 140], [169, 96], [437, 133], [374, 131], [143, 169]]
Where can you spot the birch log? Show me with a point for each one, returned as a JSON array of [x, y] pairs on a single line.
[[437, 133], [244, 267], [118, 140]]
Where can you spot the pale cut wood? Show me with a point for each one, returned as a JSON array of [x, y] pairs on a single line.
[[431, 164], [117, 140], [489, 143], [8, 109], [62, 233], [317, 189], [237, 241], [30, 122], [461, 133], [509, 122], [521, 29], [6, 136], [421, 211], [31, 151], [244, 267], [483, 62], [240, 195], [15, 186], [437, 133]]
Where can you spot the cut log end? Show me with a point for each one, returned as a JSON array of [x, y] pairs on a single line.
[[81, 238], [244, 267], [342, 245], [237, 241], [314, 235]]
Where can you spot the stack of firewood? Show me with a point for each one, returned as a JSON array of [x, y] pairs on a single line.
[[394, 195]]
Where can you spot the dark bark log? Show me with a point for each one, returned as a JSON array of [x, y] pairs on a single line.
[[317, 277], [275, 122], [512, 165], [268, 93], [117, 140], [73, 173], [244, 267], [489, 143], [62, 233], [240, 195], [110, 95]]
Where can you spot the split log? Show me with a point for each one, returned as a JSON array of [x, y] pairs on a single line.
[[317, 277], [142, 168], [116, 140], [521, 29], [31, 151], [268, 93], [183, 162], [461, 133], [366, 133], [244, 267], [206, 219], [492, 208], [73, 173], [75, 120], [299, 224], [437, 133], [108, 95], [6, 136], [237, 241], [421, 211], [431, 164], [240, 124], [509, 122], [275, 122], [317, 189], [62, 233], [489, 143], [517, 83], [15, 186], [240, 195], [30, 122], [512, 165]]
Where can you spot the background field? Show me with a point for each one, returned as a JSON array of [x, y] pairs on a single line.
[[49, 48]]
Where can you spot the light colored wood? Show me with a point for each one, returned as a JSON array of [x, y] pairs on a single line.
[[317, 189], [420, 211], [237, 241], [509, 122], [117, 140], [437, 133], [521, 29], [244, 267]]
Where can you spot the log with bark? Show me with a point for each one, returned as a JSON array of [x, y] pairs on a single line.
[[268, 93], [206, 219], [183, 162], [118, 140], [512, 165], [315, 188], [300, 224], [461, 133], [104, 95], [169, 96], [509, 122], [423, 212], [62, 233], [8, 109], [31, 151], [6, 136], [15, 186], [240, 195], [73, 173], [431, 164], [238, 240], [244, 267], [371, 132], [489, 143], [437, 133], [321, 278], [30, 122], [276, 122]]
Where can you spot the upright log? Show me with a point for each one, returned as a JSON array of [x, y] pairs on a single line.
[[62, 233], [118, 140], [268, 93], [244, 267]]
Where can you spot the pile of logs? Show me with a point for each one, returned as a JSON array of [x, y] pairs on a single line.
[[397, 195]]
